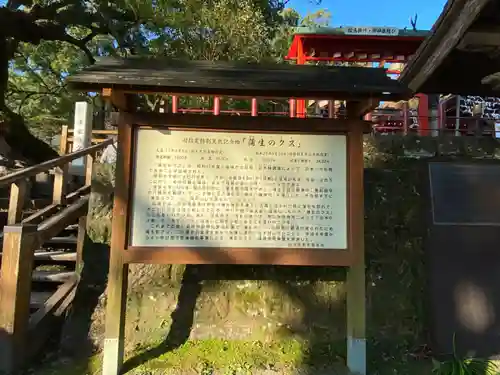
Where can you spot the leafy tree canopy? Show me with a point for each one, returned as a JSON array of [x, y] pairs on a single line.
[[43, 41]]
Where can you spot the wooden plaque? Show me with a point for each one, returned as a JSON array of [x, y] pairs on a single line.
[[215, 195], [211, 189]]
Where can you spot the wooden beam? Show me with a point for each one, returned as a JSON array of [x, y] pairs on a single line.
[[41, 323], [68, 215], [224, 122], [479, 39], [361, 108], [393, 93], [57, 162], [452, 26], [114, 342], [17, 199], [118, 98], [47, 211]]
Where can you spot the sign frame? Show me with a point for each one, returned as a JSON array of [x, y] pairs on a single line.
[[129, 124]]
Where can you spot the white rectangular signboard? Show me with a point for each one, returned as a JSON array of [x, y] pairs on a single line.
[[239, 190], [82, 134]]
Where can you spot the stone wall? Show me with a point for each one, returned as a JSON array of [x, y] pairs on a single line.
[[276, 304]]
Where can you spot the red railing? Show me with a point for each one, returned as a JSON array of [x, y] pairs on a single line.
[[410, 124]]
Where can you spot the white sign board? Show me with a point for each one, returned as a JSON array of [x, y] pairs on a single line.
[[370, 30], [82, 134], [239, 190]]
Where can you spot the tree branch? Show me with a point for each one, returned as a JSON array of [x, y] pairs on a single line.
[[38, 77]]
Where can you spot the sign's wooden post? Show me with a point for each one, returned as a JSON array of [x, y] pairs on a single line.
[[356, 285], [118, 268]]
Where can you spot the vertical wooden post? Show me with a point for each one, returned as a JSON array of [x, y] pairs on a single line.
[[16, 201], [356, 285], [82, 221], [60, 178], [118, 269], [63, 141], [80, 241], [61, 173], [15, 288], [331, 108]]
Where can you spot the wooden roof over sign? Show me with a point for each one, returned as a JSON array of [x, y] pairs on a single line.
[[461, 53], [140, 74]]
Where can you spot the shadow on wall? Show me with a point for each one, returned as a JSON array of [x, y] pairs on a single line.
[[295, 282], [394, 236]]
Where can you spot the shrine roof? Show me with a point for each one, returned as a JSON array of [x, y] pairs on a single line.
[[143, 74], [361, 31], [388, 42], [461, 53]]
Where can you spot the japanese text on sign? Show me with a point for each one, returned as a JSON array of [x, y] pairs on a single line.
[[239, 190], [381, 31]]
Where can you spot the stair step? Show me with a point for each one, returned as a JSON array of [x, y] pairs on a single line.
[[57, 256], [37, 299], [67, 240], [52, 276]]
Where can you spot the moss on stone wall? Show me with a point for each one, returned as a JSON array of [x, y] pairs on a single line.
[[272, 304]]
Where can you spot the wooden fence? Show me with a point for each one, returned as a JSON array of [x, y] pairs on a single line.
[[22, 334], [98, 136]]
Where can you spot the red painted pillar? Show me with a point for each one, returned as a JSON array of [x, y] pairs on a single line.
[[293, 107], [255, 108], [216, 105], [301, 60], [175, 103], [423, 114]]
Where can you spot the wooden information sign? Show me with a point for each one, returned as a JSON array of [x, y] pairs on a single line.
[[195, 189], [209, 189], [200, 195]]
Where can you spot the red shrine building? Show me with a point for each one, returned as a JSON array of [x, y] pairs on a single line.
[[390, 48], [372, 47], [386, 47]]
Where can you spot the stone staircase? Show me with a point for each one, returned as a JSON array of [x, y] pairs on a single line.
[[38, 282], [54, 264]]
